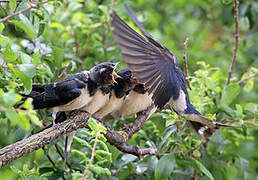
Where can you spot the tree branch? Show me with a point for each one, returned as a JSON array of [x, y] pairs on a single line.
[[236, 41], [37, 141], [76, 120], [22, 11], [247, 78]]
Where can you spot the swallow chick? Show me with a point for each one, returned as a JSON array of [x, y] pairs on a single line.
[[137, 100], [154, 65], [103, 104], [125, 83], [74, 92]]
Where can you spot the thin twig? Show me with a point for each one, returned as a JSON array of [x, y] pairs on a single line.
[[108, 26], [112, 5], [236, 41], [252, 123], [247, 78], [49, 158], [185, 63], [92, 156], [22, 11], [7, 1], [61, 155]]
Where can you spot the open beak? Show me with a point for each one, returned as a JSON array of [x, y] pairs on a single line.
[[114, 77]]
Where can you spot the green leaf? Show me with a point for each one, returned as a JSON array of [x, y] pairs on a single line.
[[26, 59], [28, 69], [82, 142], [36, 58], [26, 26], [99, 170], [203, 169], [3, 39], [167, 134], [35, 120], [9, 55], [79, 153], [93, 125], [249, 85], [229, 93], [105, 154], [9, 99], [24, 121], [1, 27], [27, 82], [12, 4], [230, 172], [13, 116], [103, 146], [251, 107], [239, 110], [58, 55], [57, 25], [41, 28], [165, 167]]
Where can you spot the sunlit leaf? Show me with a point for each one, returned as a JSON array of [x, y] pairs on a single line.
[[229, 93], [28, 69]]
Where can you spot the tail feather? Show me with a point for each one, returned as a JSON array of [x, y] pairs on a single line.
[[68, 143]]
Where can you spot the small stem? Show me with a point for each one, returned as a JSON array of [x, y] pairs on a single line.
[[247, 78], [185, 63], [21, 11], [92, 156], [236, 41]]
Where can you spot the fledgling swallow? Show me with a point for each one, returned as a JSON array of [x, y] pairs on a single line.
[[137, 100], [154, 65], [74, 92], [103, 104]]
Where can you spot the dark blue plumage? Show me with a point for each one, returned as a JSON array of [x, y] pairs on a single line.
[[154, 65]]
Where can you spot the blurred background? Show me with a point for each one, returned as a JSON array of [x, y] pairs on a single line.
[[63, 37]]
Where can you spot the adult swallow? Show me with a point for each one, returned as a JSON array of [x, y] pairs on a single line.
[[154, 65], [103, 104]]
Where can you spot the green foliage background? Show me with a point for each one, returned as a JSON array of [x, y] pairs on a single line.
[[38, 45]]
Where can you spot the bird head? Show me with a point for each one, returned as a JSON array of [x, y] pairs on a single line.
[[126, 80], [104, 73]]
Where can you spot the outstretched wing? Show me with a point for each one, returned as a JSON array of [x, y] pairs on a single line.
[[150, 61]]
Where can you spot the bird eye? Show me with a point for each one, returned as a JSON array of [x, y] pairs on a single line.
[[102, 70]]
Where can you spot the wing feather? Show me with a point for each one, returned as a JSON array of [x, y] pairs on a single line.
[[151, 63]]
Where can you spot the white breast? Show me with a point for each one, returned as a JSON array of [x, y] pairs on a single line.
[[77, 103], [98, 101], [133, 104], [178, 105], [113, 105]]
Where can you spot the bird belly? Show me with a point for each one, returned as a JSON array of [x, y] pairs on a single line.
[[113, 105], [179, 105], [77, 103], [99, 100], [133, 104]]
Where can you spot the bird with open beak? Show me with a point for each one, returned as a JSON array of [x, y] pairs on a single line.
[[103, 104], [137, 100], [154, 65], [74, 92]]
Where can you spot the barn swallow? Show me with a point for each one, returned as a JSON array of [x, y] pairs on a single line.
[[103, 104], [137, 100], [154, 65], [74, 92]]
